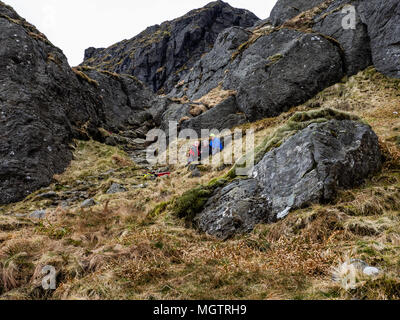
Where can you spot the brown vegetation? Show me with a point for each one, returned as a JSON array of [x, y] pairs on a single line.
[[131, 245]]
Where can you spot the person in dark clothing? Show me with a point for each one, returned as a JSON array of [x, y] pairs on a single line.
[[194, 153], [205, 150]]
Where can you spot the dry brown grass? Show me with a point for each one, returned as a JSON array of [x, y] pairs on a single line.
[[196, 110], [215, 97], [83, 76], [182, 100], [305, 20], [115, 250]]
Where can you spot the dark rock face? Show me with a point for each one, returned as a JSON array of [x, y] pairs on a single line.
[[223, 116], [161, 54], [383, 21], [90, 52], [44, 104], [126, 100], [310, 167], [268, 75], [174, 113], [355, 42], [212, 68], [287, 9]]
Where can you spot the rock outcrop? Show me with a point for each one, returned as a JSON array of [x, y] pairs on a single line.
[[285, 10], [161, 54], [126, 102], [373, 40], [224, 115], [310, 167], [266, 72], [236, 208], [221, 66], [303, 48], [354, 42], [383, 21], [44, 105]]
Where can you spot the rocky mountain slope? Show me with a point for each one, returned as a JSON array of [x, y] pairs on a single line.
[[161, 54], [45, 104], [325, 188], [261, 65]]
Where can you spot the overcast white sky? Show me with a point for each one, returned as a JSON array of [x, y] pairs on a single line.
[[75, 25]]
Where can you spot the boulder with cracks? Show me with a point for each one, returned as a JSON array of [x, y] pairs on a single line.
[[310, 167]]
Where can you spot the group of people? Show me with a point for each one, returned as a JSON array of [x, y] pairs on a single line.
[[200, 151]]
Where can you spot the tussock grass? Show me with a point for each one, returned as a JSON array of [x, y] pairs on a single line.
[[216, 96], [83, 76], [134, 245]]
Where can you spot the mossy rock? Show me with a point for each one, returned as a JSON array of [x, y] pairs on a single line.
[[296, 123], [193, 201]]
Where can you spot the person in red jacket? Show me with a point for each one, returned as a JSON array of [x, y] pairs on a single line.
[[194, 153]]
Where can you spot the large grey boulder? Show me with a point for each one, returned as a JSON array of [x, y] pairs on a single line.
[[310, 167], [284, 69], [314, 164], [383, 21], [287, 9], [175, 112]]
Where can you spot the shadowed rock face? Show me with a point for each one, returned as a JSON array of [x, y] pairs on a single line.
[[354, 42], [223, 116], [375, 40], [288, 9], [126, 101], [383, 21], [278, 70], [161, 54], [310, 167], [44, 105]]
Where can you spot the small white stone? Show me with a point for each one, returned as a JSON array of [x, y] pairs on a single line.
[[284, 213], [371, 271]]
